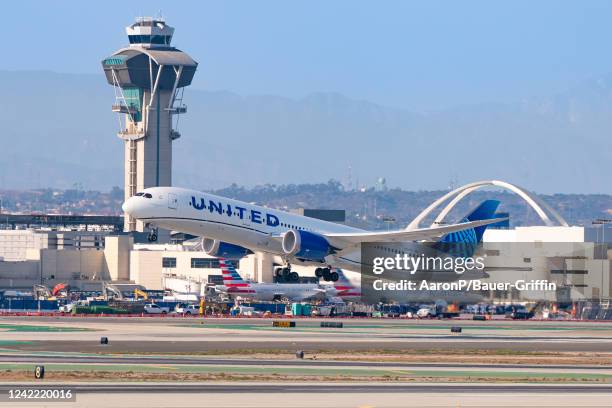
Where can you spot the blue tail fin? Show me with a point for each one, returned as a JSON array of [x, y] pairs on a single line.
[[485, 211], [464, 243]]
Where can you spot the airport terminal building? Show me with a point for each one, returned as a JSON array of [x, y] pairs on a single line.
[[85, 260]]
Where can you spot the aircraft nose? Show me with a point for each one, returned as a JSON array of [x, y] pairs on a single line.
[[129, 206]]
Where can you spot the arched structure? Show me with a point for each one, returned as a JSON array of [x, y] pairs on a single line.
[[544, 211]]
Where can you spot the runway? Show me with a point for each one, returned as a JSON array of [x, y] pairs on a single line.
[[284, 387], [322, 395], [196, 335], [247, 362]]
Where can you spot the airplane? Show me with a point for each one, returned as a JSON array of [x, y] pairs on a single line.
[[345, 289], [234, 285], [233, 229]]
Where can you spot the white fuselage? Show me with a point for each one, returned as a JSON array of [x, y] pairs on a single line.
[[292, 292], [202, 214]]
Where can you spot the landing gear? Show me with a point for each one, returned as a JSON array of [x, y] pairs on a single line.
[[284, 275], [327, 274], [152, 237], [334, 276]]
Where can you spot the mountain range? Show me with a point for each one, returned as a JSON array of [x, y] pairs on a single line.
[[58, 131]]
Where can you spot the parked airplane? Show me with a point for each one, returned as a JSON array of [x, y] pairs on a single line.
[[233, 229], [234, 286], [345, 289]]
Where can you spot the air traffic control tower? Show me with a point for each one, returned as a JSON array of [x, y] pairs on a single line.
[[149, 77]]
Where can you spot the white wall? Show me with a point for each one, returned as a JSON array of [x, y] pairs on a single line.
[[71, 264], [146, 267], [19, 274], [117, 256], [536, 233], [15, 245]]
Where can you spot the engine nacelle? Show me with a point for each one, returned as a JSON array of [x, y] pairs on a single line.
[[218, 249], [306, 245]]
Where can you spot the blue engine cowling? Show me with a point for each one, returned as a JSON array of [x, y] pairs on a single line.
[[225, 250], [306, 245]]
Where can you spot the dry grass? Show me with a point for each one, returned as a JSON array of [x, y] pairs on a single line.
[[422, 356], [482, 357], [107, 376]]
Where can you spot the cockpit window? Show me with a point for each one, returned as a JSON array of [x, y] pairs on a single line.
[[148, 195], [139, 194]]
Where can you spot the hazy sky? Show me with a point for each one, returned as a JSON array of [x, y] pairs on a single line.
[[418, 55]]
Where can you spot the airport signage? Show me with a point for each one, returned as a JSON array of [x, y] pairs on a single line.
[[281, 323]]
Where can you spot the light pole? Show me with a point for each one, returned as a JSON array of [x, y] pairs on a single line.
[[387, 219]]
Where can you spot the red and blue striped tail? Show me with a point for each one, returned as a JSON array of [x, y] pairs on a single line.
[[231, 277], [344, 287]]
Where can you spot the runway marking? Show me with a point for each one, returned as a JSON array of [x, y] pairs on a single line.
[[14, 343], [165, 367], [41, 328]]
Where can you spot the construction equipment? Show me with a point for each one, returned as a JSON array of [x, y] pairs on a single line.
[[41, 292], [116, 293], [141, 293], [60, 290]]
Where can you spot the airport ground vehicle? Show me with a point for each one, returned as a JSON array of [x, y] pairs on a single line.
[[426, 312], [152, 308], [521, 313], [187, 309], [67, 308]]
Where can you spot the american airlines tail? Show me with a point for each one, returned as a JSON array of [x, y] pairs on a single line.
[[231, 277], [344, 287]]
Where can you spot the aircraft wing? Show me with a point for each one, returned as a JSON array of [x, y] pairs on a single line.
[[344, 239]]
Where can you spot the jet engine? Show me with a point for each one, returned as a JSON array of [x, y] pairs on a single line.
[[306, 245], [218, 249]]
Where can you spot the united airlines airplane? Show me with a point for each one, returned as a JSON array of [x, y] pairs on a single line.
[[232, 229]]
